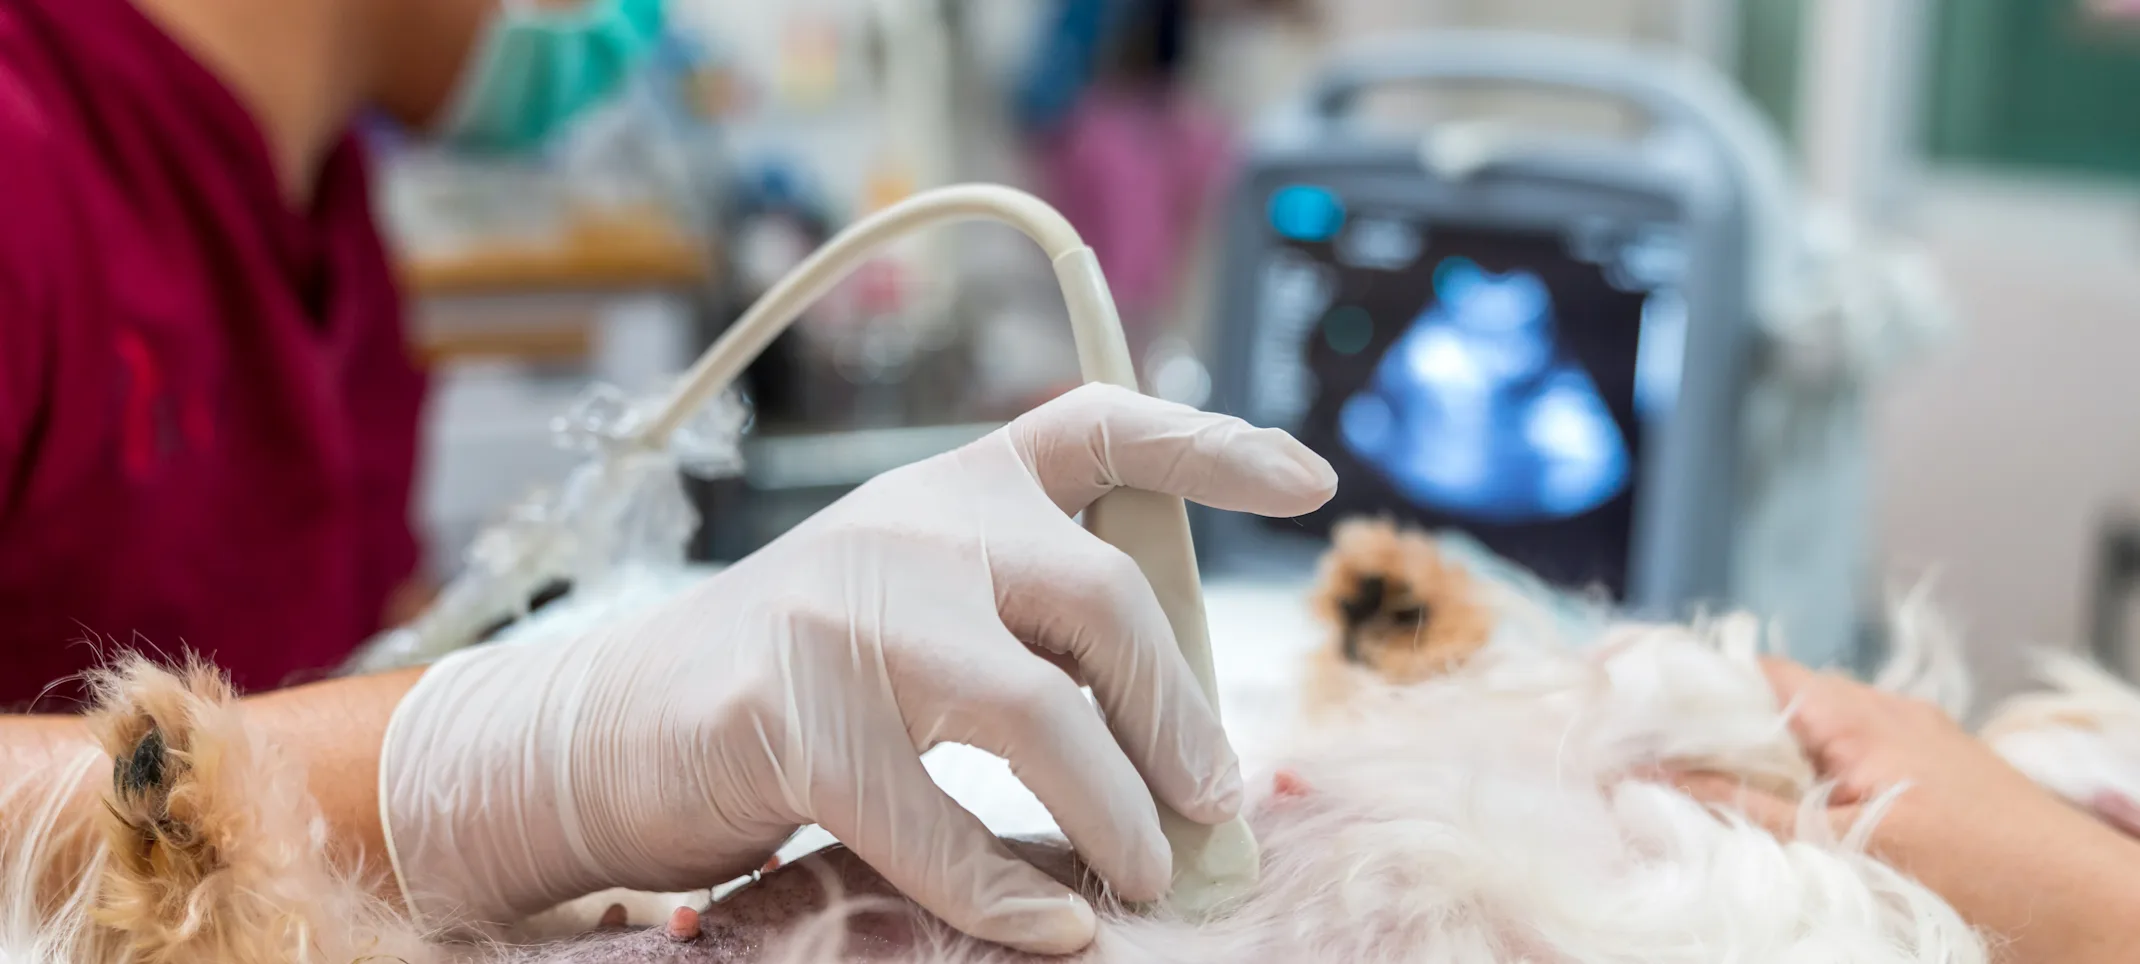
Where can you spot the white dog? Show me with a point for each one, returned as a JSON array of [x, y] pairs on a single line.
[[1500, 811]]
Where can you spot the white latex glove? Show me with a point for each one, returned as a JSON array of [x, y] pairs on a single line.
[[801, 686]]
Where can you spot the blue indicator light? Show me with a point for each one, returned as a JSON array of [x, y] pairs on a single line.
[[1304, 213]]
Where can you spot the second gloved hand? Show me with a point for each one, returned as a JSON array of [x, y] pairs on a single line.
[[931, 605]]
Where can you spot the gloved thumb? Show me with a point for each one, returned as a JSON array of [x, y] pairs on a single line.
[[947, 861]]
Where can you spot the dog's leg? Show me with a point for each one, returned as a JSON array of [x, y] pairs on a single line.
[[217, 851]]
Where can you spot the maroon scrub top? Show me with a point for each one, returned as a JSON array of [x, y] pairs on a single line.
[[208, 412]]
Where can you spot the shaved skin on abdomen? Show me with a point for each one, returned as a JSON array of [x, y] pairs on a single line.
[[783, 907]]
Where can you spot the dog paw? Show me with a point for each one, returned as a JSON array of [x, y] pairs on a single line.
[[151, 721], [141, 791]]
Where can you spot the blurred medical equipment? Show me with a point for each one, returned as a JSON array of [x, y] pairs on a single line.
[[623, 509], [1633, 364], [2111, 600]]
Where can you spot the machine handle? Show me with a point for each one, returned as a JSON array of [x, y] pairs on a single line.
[[1666, 85], [1672, 87]]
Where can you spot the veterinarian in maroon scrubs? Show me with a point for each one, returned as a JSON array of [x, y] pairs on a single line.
[[207, 411], [208, 414]]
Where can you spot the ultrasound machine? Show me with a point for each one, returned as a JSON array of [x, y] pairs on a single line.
[[1578, 351]]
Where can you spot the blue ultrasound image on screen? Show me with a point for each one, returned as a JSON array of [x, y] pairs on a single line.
[[1490, 380], [1477, 409]]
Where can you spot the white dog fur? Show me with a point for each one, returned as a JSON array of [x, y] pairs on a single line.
[[1500, 814]]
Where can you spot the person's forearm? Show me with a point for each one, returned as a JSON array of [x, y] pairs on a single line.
[[2084, 903], [49, 775], [2092, 918], [333, 728], [2104, 916], [336, 729], [32, 745]]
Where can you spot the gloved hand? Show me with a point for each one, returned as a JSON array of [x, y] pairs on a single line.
[[801, 685]]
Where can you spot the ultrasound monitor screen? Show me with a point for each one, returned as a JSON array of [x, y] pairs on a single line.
[[1494, 381]]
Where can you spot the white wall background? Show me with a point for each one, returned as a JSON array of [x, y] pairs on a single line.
[[1999, 456]]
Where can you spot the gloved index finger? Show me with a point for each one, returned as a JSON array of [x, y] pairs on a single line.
[[1100, 437]]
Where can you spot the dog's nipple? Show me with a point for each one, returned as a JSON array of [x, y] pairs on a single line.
[[683, 925]]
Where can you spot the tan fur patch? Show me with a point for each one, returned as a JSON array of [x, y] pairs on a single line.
[[1395, 610], [217, 852]]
